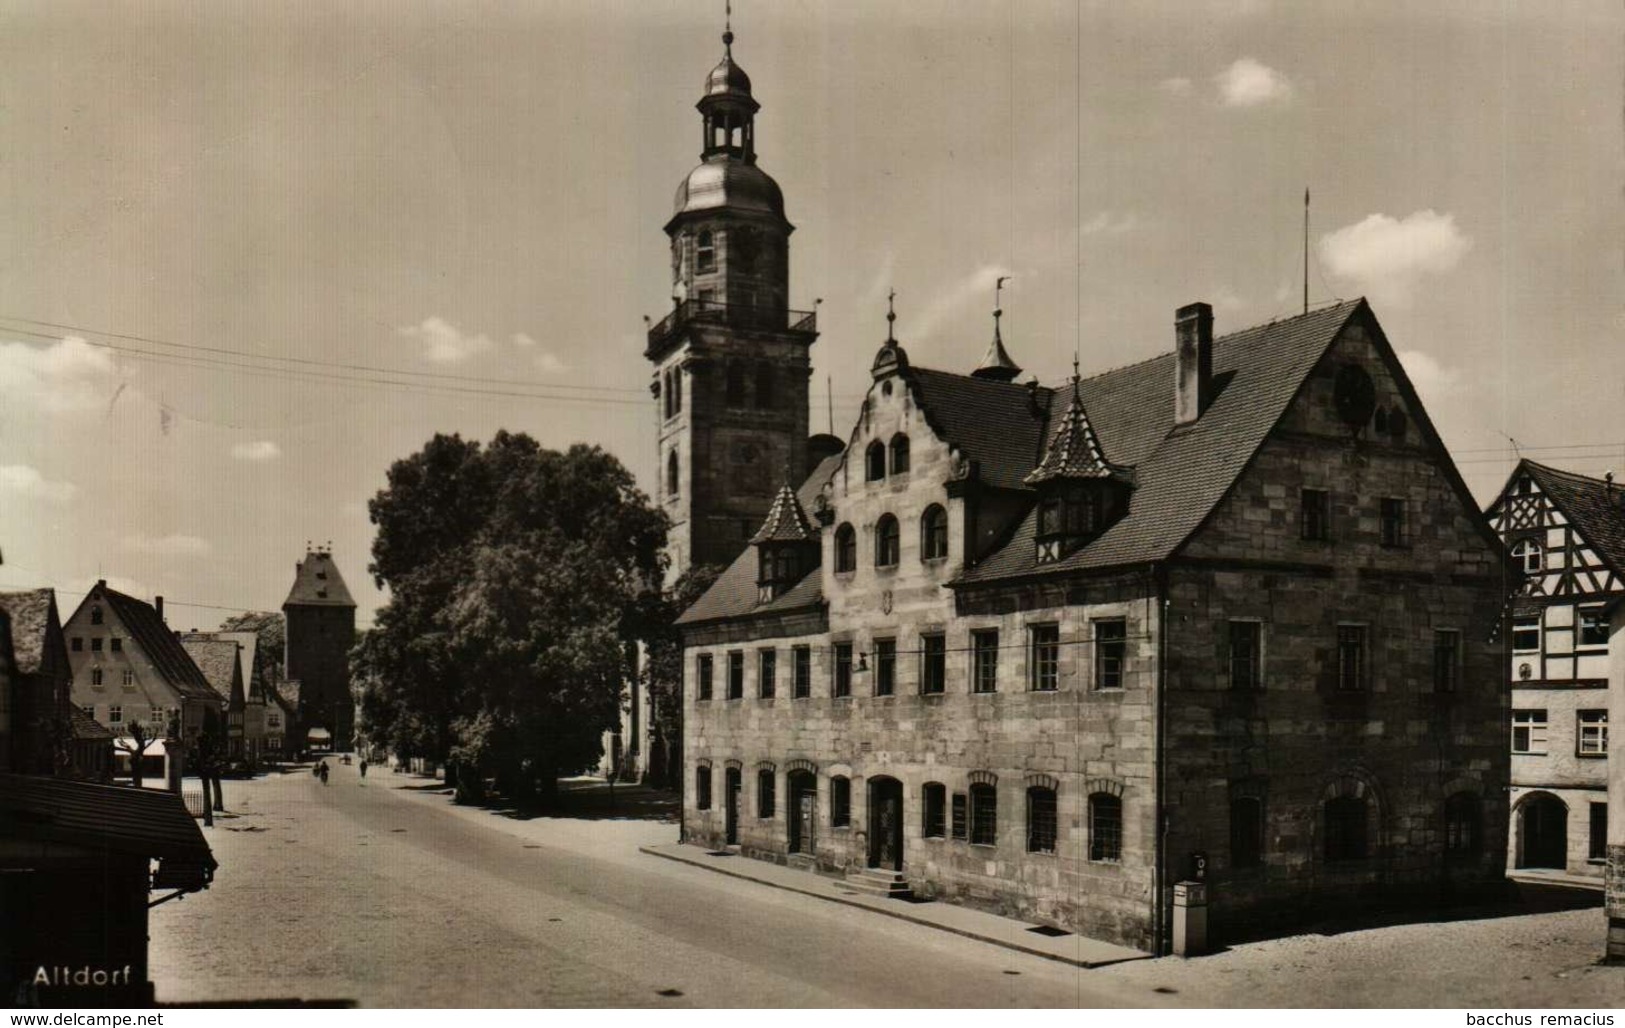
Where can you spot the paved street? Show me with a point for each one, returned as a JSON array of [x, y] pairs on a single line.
[[387, 895]]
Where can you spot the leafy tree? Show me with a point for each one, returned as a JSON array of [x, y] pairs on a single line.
[[663, 670], [514, 575]]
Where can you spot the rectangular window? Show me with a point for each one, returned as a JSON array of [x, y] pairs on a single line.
[[985, 660], [764, 793], [801, 672], [885, 667], [117, 644], [1315, 515], [1105, 827], [78, 645], [273, 720], [95, 676], [1111, 645], [1526, 633], [1591, 739], [89, 709], [1599, 832], [984, 815], [767, 673], [1351, 658], [1593, 628], [1529, 731], [129, 678], [936, 812], [840, 802], [933, 664], [1246, 655], [1446, 659], [736, 674], [1393, 521], [1041, 820], [702, 788], [95, 646], [1044, 645], [703, 673], [115, 715], [1246, 832], [961, 816], [842, 685]]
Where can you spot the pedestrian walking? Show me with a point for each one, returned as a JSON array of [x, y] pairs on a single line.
[[363, 767], [322, 770]]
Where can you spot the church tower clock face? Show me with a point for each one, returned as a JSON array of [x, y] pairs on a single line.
[[1354, 395]]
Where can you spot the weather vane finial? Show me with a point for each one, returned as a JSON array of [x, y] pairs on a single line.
[[891, 315], [728, 26], [998, 304]]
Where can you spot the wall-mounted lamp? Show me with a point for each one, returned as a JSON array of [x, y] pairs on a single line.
[[863, 662]]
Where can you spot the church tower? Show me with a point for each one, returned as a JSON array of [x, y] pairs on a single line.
[[731, 361]]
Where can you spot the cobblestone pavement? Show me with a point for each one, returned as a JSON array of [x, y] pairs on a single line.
[[387, 895]]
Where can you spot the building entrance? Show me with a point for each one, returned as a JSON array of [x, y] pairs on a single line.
[[886, 823]]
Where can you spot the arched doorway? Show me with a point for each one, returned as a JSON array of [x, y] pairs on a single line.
[[886, 823], [731, 788], [803, 813], [1543, 832]]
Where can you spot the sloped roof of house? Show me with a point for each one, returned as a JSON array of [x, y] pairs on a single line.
[[733, 594], [1593, 506], [148, 631], [317, 583], [140, 822], [86, 727], [31, 612], [219, 661], [1180, 475]]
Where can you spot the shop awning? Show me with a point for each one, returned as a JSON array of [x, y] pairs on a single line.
[[320, 735]]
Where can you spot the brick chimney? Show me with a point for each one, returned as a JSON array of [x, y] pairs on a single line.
[[1193, 362], [158, 605]]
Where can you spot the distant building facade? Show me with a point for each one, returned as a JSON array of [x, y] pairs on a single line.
[[321, 631], [227, 664], [1566, 534], [1227, 614]]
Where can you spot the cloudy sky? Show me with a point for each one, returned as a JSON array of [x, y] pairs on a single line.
[[255, 252]]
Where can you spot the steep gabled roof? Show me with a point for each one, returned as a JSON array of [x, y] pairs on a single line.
[[1180, 476], [220, 662], [734, 593], [317, 583], [86, 727], [1074, 451], [999, 425], [31, 613], [1594, 507], [786, 521], [148, 631]]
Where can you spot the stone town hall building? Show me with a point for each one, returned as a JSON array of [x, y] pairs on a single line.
[[1049, 649]]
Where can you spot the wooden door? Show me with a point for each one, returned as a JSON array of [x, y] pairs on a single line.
[[886, 823]]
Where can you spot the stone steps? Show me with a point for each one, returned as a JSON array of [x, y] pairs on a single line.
[[876, 881]]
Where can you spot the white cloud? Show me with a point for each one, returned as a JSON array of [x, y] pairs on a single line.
[[1110, 223], [68, 375], [1175, 86], [173, 545], [22, 480], [262, 450], [1386, 257], [546, 361], [444, 342], [1248, 83], [1431, 379], [952, 303]]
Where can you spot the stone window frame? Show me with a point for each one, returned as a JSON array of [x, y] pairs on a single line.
[[1352, 784], [933, 663], [984, 680], [1043, 656], [673, 473], [800, 672], [702, 785], [705, 252], [846, 549], [933, 811], [888, 541], [1352, 677], [95, 676], [840, 669], [96, 644], [1104, 648], [767, 672], [874, 462], [1043, 824], [1597, 829], [1105, 810], [115, 714], [704, 674], [1391, 522], [885, 666], [1446, 660], [984, 809], [897, 453], [1254, 677], [840, 801], [1314, 515], [116, 644], [735, 684], [766, 791], [934, 533], [1462, 815]]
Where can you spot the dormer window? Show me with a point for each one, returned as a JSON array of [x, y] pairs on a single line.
[[787, 547], [1079, 491], [1068, 519], [874, 462]]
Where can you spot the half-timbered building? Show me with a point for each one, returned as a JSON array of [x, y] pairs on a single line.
[[1566, 535]]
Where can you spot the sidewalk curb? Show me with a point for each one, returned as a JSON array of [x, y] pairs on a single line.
[[901, 915]]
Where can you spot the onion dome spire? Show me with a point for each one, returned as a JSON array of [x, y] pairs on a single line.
[[996, 364]]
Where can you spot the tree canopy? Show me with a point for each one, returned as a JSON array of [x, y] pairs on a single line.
[[515, 575]]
